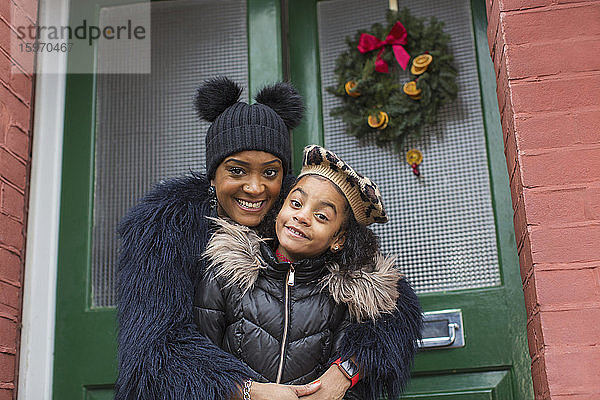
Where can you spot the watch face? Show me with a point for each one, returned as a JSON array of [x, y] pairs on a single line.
[[349, 367]]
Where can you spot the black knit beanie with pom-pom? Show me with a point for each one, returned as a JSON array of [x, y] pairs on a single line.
[[237, 126]]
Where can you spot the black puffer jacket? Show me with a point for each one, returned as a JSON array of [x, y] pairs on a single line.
[[283, 319]]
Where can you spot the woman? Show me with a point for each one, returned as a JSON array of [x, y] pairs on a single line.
[[161, 353]]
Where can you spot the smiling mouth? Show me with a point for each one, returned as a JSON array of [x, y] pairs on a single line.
[[250, 205], [296, 233]]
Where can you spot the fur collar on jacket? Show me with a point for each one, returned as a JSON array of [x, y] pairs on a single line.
[[234, 254]]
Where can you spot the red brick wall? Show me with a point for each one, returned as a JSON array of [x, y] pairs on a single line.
[[15, 158], [547, 59]]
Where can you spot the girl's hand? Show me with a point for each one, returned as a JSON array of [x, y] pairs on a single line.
[[270, 391], [334, 385]]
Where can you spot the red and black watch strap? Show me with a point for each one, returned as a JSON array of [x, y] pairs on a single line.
[[349, 369]]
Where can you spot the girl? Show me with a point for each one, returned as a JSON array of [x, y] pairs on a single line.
[[285, 312]]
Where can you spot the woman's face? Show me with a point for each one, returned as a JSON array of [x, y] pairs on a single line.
[[247, 184]]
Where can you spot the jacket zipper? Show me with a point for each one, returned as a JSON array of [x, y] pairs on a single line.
[[289, 282]]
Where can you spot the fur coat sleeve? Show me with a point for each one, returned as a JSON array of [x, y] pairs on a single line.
[[161, 353]]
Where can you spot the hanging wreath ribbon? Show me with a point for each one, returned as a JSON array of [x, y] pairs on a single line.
[[396, 38]]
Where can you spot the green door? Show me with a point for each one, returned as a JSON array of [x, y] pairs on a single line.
[[124, 132], [453, 227]]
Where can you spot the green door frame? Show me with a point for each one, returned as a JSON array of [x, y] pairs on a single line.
[[85, 342], [508, 330]]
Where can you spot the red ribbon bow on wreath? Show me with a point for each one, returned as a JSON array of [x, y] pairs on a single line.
[[396, 38]]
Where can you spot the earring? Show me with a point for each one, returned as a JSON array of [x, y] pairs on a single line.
[[336, 247], [212, 197]]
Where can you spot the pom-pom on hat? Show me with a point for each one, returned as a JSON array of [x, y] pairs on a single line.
[[237, 126], [362, 194]]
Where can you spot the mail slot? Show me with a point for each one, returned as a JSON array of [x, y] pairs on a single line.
[[442, 329]]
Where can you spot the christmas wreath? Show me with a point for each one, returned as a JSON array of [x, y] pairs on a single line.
[[374, 100]]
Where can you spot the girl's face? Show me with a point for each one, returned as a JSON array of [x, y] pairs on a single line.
[[310, 220], [247, 184]]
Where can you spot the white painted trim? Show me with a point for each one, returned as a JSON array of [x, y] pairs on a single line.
[[39, 294]]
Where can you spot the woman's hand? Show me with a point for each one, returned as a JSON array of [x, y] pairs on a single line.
[[270, 391], [334, 385]]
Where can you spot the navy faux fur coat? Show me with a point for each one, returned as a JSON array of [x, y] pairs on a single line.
[[162, 356]]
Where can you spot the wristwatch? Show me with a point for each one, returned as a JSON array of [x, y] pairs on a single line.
[[349, 369]]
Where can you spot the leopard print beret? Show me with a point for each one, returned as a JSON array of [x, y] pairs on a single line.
[[362, 193]]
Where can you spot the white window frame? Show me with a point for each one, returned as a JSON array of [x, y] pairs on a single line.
[[41, 260]]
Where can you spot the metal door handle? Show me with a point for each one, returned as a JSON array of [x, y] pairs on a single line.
[[442, 329], [444, 340]]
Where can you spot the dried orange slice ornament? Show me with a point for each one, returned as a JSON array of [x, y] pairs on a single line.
[[385, 124], [410, 88], [420, 64], [350, 87], [422, 61], [414, 157], [417, 71], [378, 121]]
